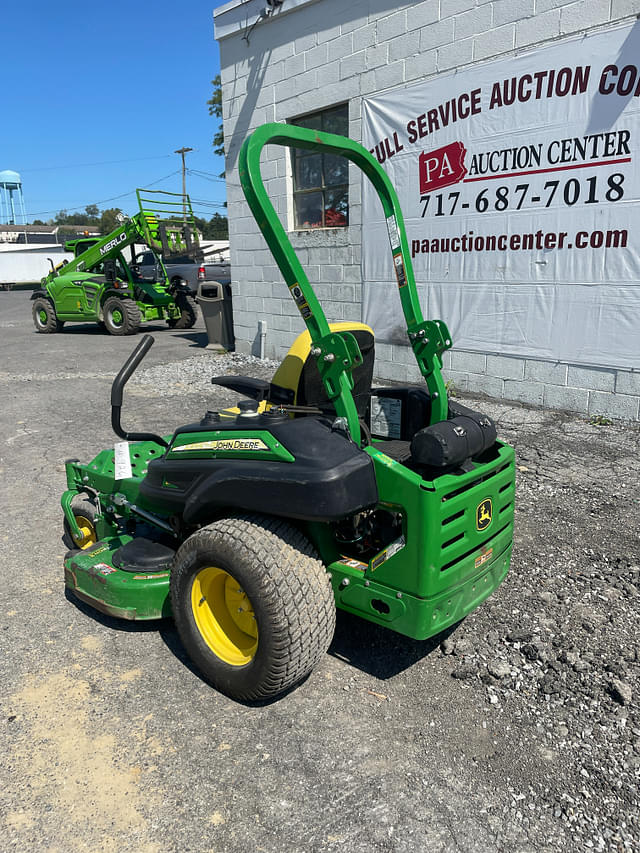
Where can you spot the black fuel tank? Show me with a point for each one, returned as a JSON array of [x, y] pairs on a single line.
[[330, 477]]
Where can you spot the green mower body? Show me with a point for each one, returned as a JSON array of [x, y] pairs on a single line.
[[410, 530], [434, 571]]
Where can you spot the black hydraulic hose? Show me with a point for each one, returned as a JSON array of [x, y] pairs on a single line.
[[117, 388]]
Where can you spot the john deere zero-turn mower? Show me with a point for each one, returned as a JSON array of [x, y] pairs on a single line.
[[250, 526]]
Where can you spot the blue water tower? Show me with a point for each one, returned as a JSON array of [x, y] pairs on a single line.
[[11, 199]]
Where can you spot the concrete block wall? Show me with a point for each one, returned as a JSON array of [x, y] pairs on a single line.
[[554, 385], [313, 54]]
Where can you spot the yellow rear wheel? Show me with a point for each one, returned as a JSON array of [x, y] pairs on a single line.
[[224, 616], [253, 605]]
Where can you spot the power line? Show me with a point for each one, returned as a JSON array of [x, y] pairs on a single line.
[[205, 172], [105, 200], [208, 176], [205, 202], [208, 214], [99, 163]]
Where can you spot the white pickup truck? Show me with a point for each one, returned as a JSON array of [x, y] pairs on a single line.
[[183, 267]]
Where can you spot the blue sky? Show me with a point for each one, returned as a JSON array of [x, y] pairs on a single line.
[[97, 97]]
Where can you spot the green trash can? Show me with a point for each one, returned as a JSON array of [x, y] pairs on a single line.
[[215, 302]]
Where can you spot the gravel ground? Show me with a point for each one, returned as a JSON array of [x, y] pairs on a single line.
[[556, 653], [558, 650], [517, 731], [193, 375]]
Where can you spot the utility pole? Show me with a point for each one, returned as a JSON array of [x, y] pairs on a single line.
[[184, 151]]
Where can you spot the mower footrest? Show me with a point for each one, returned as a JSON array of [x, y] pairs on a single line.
[[396, 449]]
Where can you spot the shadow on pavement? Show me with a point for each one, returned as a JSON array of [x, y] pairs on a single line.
[[377, 650], [369, 648], [196, 339], [95, 329]]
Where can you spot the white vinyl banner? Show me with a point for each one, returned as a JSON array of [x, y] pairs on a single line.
[[518, 180]]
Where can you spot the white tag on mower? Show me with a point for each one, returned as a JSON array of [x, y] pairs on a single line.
[[122, 464], [394, 234]]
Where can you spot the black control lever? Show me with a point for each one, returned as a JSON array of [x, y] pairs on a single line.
[[117, 388]]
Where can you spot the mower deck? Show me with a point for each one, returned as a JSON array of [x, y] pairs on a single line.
[[127, 594]]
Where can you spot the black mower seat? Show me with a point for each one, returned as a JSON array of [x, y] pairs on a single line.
[[297, 380]]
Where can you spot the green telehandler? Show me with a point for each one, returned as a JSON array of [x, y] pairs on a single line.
[[251, 525], [100, 286]]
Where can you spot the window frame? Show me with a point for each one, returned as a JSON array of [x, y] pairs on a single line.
[[317, 120]]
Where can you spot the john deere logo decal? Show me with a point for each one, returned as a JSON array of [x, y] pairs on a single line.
[[225, 444], [484, 514]]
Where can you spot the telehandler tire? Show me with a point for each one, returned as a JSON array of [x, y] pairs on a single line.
[[188, 315], [253, 605], [85, 511], [121, 316], [44, 316]]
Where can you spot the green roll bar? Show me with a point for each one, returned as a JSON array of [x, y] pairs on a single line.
[[338, 353]]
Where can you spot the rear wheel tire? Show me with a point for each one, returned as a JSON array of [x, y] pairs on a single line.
[[253, 605], [44, 316], [188, 314], [85, 511], [121, 316]]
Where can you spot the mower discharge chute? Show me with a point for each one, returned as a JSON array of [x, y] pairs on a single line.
[[250, 526]]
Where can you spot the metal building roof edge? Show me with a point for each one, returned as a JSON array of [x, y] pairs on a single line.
[[236, 13]]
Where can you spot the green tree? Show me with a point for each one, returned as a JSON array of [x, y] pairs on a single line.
[[64, 218], [217, 228], [93, 214], [109, 220], [215, 109]]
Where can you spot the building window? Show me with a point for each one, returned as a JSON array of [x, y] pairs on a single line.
[[321, 181]]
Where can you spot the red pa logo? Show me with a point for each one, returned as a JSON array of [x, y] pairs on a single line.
[[442, 167]]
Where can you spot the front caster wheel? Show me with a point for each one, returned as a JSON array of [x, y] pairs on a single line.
[[253, 605], [85, 511]]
